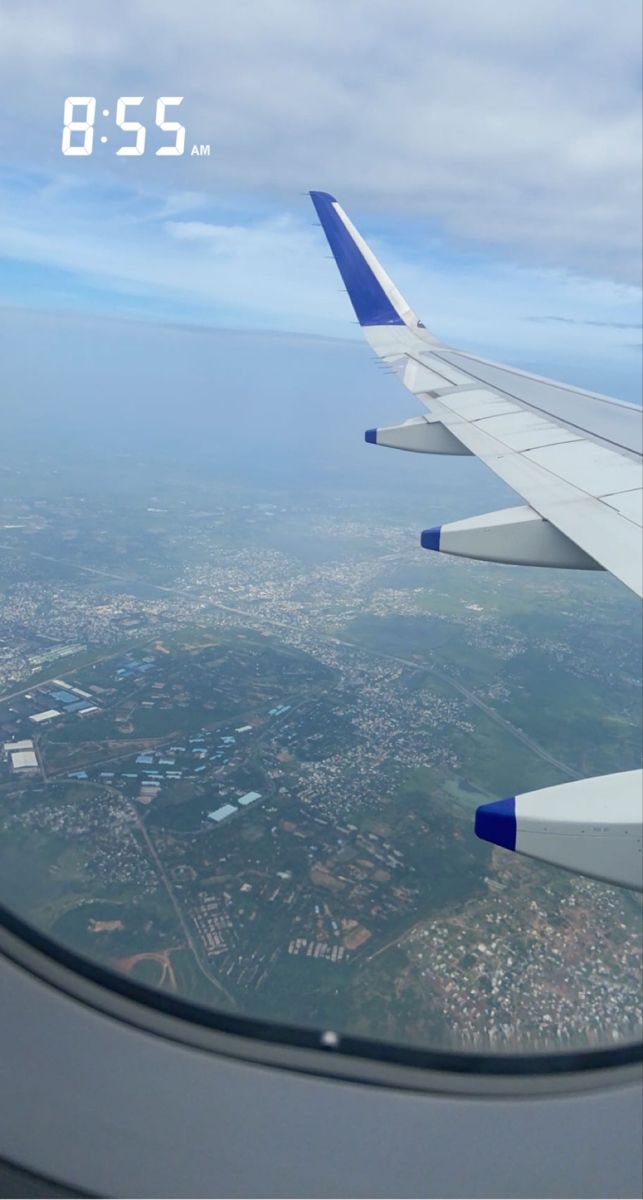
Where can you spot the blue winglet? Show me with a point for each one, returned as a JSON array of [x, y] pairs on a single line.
[[372, 305], [497, 823], [371, 436], [430, 538]]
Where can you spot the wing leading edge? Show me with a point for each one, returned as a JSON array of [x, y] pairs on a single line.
[[574, 457]]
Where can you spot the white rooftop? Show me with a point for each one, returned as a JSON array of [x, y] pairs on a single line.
[[249, 798], [45, 716], [22, 760], [25, 744], [220, 814]]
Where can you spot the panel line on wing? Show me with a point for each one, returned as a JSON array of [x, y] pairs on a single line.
[[626, 410], [596, 527]]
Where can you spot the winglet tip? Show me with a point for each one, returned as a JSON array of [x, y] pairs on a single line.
[[371, 436], [322, 196]]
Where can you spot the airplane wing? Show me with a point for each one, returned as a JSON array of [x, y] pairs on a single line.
[[576, 459]]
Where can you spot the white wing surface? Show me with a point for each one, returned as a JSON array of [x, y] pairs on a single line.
[[574, 456]]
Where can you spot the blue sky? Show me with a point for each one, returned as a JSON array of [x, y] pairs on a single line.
[[490, 153]]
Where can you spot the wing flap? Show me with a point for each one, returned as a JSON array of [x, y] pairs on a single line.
[[628, 504], [525, 431], [590, 468], [602, 418]]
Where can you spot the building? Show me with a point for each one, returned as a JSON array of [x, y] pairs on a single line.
[[220, 814], [23, 760], [249, 798]]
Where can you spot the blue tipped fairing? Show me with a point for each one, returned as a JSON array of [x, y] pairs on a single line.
[[497, 823], [372, 305], [430, 538], [589, 825], [371, 436]]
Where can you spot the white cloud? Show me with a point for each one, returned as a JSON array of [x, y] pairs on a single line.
[[512, 125], [182, 202], [272, 272]]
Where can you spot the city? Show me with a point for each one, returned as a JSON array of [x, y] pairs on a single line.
[[247, 775]]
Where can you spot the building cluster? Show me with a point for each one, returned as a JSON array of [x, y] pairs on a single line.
[[44, 704], [531, 966]]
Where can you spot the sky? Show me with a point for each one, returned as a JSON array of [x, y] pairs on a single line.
[[489, 152]]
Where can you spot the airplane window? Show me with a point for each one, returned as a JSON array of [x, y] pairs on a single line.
[[247, 717]]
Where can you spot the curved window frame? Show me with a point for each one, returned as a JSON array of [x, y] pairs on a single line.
[[308, 1050]]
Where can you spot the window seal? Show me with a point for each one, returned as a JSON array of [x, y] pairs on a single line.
[[309, 1050]]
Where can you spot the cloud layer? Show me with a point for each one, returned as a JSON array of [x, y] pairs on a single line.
[[77, 246], [514, 126]]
